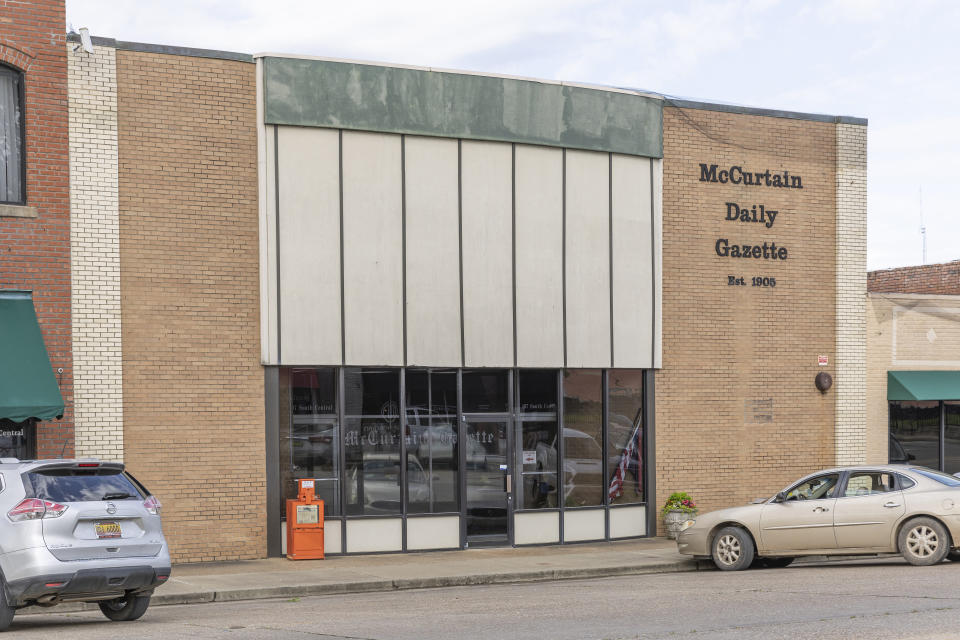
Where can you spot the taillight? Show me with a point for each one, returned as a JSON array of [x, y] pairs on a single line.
[[152, 505], [34, 509]]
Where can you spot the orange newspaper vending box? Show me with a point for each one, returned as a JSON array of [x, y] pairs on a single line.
[[305, 524]]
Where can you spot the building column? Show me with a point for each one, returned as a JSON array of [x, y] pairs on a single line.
[[95, 253], [851, 349]]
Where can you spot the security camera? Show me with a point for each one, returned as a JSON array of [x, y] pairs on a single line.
[[85, 40]]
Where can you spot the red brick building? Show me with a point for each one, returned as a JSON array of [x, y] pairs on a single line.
[[35, 204]]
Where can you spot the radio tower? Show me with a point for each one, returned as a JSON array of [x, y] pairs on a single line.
[[923, 229]]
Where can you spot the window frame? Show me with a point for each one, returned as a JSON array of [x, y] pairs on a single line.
[[20, 77]]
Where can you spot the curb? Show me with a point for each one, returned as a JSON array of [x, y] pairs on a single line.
[[371, 586]]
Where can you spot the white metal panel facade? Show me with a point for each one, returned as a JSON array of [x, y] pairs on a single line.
[[372, 248], [487, 228], [538, 228], [432, 251], [632, 262], [587, 264], [309, 240], [453, 251]]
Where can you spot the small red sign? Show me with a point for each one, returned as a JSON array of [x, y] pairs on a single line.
[[822, 361]]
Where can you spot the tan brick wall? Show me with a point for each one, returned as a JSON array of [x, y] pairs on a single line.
[[95, 253], [850, 377], [737, 412], [911, 332], [192, 381]]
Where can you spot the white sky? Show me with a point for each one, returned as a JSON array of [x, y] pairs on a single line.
[[891, 61]]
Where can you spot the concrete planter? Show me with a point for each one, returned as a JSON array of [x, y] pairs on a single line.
[[672, 521]]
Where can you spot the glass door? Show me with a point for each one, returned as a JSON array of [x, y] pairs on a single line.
[[488, 480]]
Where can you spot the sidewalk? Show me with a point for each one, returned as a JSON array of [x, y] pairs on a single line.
[[282, 578]]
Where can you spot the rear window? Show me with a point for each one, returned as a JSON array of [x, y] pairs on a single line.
[[81, 485], [942, 478]]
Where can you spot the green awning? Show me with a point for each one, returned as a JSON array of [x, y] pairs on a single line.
[[28, 388], [923, 385]]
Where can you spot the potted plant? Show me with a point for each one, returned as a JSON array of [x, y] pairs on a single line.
[[678, 509]]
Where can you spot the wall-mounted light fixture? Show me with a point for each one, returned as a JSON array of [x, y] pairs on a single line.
[[823, 381]]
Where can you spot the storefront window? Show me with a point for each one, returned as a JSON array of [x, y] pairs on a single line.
[[538, 437], [951, 437], [915, 433], [372, 441], [582, 437], [431, 440], [485, 391], [16, 439], [625, 436], [311, 447]]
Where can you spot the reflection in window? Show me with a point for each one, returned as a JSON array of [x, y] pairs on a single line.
[[915, 430], [625, 436], [538, 391], [371, 441], [538, 439], [817, 488], [431, 440], [485, 391], [951, 437], [312, 445], [582, 437], [869, 483], [11, 136]]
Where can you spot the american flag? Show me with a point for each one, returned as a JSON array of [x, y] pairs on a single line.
[[630, 460]]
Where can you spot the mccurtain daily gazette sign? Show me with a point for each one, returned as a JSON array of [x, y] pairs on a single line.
[[752, 214]]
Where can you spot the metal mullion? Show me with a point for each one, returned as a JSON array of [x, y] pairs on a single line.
[[561, 477], [403, 458], [342, 454], [461, 462], [513, 429], [604, 443], [943, 441], [430, 434]]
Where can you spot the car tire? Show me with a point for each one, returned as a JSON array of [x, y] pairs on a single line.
[[771, 563], [923, 542], [6, 611], [125, 609], [732, 549]]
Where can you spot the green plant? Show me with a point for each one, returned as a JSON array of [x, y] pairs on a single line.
[[679, 501]]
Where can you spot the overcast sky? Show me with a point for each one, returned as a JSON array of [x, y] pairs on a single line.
[[891, 61]]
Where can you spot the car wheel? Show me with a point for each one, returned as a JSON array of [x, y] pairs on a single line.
[[125, 609], [732, 549], [923, 541], [771, 563]]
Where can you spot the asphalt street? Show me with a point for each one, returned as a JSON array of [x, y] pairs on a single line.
[[866, 598]]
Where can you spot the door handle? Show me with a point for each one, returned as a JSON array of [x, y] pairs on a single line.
[[821, 509], [509, 483], [891, 504]]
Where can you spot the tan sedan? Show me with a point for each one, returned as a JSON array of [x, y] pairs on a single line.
[[903, 509]]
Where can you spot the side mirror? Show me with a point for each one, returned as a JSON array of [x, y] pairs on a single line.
[[782, 496]]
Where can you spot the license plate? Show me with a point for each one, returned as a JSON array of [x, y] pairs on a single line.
[[107, 529]]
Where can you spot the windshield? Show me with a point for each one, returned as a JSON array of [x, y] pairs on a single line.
[[942, 478]]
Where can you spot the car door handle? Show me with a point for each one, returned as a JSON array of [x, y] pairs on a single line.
[[822, 509], [891, 504]]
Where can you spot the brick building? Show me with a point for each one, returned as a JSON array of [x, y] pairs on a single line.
[[913, 351], [36, 387], [555, 303]]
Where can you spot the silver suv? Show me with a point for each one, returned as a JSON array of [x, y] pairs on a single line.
[[78, 531]]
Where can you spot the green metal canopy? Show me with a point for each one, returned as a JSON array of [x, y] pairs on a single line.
[[923, 385], [28, 388]]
